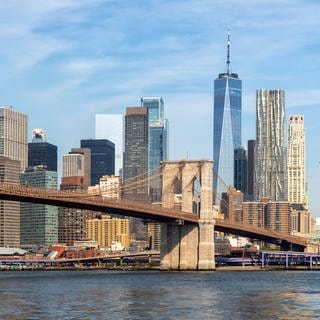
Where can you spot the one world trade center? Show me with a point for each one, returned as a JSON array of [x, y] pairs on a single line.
[[226, 126]]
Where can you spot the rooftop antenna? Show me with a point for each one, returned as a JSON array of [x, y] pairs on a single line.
[[228, 53]]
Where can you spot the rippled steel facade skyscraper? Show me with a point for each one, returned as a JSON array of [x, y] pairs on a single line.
[[226, 126], [271, 150]]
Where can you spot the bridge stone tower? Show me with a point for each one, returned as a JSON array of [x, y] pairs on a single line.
[[188, 246]]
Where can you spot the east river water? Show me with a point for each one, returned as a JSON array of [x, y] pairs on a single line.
[[246, 295]]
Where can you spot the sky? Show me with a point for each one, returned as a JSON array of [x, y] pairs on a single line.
[[64, 61]]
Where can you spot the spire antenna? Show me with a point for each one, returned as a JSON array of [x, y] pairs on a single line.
[[228, 53]]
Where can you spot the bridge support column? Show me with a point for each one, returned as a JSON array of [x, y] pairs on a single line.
[[188, 246]]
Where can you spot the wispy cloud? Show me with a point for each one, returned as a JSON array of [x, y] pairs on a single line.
[[66, 60]]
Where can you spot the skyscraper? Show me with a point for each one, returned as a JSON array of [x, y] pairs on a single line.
[[9, 210], [110, 126], [240, 169], [250, 168], [226, 125], [135, 162], [296, 161], [14, 136], [102, 158], [87, 163], [72, 165], [271, 151], [40, 152], [157, 143], [39, 222], [13, 161]]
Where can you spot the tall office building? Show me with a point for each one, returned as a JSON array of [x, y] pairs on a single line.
[[72, 165], [86, 165], [250, 169], [271, 151], [157, 152], [14, 159], [157, 143], [135, 163], [40, 152], [102, 158], [136, 153], [226, 126], [9, 210], [296, 161], [38, 222], [110, 126], [240, 169], [14, 136]]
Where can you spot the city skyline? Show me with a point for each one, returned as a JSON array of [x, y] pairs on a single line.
[[61, 80]]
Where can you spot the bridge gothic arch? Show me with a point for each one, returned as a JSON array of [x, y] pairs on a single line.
[[188, 246]]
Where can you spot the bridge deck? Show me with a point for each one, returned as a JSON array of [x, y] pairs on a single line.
[[136, 209]]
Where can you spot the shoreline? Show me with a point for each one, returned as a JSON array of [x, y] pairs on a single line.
[[157, 268]]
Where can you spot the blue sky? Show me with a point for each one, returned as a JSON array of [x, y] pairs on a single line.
[[64, 61]]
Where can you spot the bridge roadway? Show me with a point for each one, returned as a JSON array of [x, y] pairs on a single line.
[[135, 209]]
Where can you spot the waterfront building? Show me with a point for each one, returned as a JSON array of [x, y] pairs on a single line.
[[271, 151], [154, 235], [273, 215], [39, 222], [240, 169], [14, 136], [102, 158], [110, 126], [226, 126], [253, 212], [231, 205], [250, 169], [40, 152], [135, 163], [9, 210], [109, 229], [296, 161], [277, 216]]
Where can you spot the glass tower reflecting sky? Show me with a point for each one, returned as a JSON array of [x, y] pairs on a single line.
[[158, 141], [226, 126]]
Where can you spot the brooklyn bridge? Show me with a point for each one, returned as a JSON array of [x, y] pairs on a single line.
[[187, 236]]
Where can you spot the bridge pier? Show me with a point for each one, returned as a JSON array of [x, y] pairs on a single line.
[[188, 246]]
